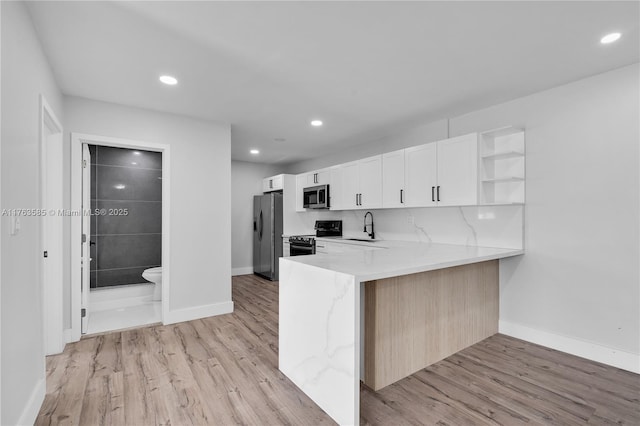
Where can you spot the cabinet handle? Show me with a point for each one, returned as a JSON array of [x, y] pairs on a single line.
[[433, 194], [360, 199], [270, 183], [438, 192], [401, 198]]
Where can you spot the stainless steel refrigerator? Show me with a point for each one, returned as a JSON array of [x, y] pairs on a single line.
[[267, 234]]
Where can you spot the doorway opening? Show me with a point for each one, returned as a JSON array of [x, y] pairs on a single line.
[[125, 237], [121, 260]]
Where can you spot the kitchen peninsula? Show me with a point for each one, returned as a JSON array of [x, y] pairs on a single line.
[[380, 315]]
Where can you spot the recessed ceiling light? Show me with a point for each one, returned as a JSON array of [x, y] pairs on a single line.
[[610, 38], [137, 153], [134, 163], [254, 152], [170, 80], [316, 123], [119, 186]]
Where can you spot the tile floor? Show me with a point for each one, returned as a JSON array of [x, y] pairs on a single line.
[[125, 317]]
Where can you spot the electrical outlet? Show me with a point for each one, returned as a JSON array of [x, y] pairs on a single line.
[[411, 220]]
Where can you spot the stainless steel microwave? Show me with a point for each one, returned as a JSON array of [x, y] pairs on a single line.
[[316, 197]]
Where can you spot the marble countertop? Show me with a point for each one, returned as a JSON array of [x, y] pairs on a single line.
[[400, 258]]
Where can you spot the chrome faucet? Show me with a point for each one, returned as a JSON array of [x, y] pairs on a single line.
[[371, 234]]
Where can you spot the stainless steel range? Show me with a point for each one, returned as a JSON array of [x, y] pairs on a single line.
[[306, 244]]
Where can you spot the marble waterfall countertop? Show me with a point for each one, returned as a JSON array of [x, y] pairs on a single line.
[[321, 317], [400, 257]]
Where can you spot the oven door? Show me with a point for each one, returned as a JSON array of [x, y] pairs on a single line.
[[301, 250]]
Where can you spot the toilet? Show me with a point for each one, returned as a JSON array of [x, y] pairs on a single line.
[[155, 276]]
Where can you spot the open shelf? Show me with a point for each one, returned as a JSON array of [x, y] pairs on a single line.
[[503, 204], [502, 167], [503, 179], [503, 155]]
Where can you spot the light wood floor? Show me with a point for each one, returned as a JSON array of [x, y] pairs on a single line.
[[223, 371]]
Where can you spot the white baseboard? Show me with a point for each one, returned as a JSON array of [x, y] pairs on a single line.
[[197, 312], [595, 352], [32, 408], [242, 271]]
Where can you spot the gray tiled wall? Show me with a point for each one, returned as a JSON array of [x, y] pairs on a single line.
[[125, 244]]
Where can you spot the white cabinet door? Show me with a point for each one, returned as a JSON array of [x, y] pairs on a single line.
[[319, 177], [273, 183], [301, 183], [335, 188], [323, 177], [458, 171], [393, 192], [266, 185], [370, 177], [277, 183], [350, 188], [311, 180], [421, 175]]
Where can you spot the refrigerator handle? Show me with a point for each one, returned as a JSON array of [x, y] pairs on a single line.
[[261, 225]]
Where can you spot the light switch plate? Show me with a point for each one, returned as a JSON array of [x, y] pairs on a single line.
[[15, 225]]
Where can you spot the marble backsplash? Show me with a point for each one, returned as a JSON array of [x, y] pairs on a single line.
[[486, 226]]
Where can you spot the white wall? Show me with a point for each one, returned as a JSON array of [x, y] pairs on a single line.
[[577, 288], [25, 75], [246, 181], [580, 276], [200, 196]]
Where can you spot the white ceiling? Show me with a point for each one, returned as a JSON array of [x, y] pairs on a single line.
[[365, 68]]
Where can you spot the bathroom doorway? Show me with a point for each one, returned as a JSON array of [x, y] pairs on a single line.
[[125, 237], [122, 192]]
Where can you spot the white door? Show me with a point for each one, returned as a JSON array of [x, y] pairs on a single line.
[[86, 236], [350, 189], [458, 171], [393, 193], [52, 235], [421, 175], [370, 174]]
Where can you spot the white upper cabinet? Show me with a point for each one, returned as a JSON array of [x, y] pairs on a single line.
[[335, 188], [370, 179], [465, 170], [350, 187], [441, 173], [421, 175], [458, 171], [319, 177], [361, 185], [393, 186], [273, 183]]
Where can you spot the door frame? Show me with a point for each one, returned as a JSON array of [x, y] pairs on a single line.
[[77, 139], [51, 231]]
